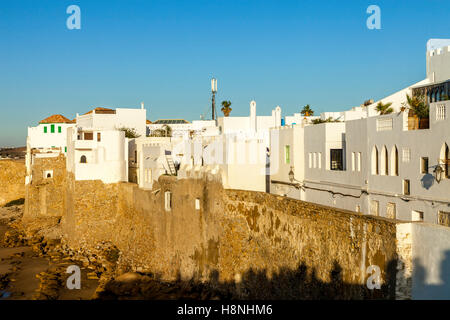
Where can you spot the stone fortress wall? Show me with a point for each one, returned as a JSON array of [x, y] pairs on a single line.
[[256, 244], [12, 180]]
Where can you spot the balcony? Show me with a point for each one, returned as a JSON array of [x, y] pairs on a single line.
[[85, 144]]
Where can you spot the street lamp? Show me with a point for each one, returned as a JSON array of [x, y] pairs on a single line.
[[291, 175], [438, 173]]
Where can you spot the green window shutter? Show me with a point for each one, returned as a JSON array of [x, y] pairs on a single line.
[[52, 128], [65, 149], [45, 129], [287, 154], [59, 129]]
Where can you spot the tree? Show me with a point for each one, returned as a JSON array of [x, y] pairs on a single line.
[[384, 108], [330, 119], [418, 105], [130, 133], [164, 131], [307, 111], [226, 108]]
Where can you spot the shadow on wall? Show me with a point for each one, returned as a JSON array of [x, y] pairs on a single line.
[[287, 284], [422, 289], [427, 181]]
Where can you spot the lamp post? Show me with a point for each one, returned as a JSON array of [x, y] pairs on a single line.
[[291, 175], [438, 173], [214, 90]]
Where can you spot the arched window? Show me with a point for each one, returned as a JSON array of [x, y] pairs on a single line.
[[374, 160], [445, 159], [384, 162], [83, 159], [394, 161]]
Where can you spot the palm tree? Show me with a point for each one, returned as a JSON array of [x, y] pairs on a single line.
[[329, 119], [384, 108], [130, 132], [418, 105], [307, 111], [419, 111], [226, 108], [167, 130]]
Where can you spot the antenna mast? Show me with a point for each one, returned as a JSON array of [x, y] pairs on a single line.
[[214, 90]]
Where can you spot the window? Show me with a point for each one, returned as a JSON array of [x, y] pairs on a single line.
[[168, 200], [287, 154], [440, 112], [359, 161], [48, 174], [314, 159], [444, 218], [406, 154], [384, 124], [353, 161], [99, 136], [424, 165], [374, 207], [320, 160], [394, 161], [416, 215], [59, 129], [88, 136], [83, 159], [310, 160], [65, 149], [45, 129], [374, 160], [336, 159], [445, 156], [384, 161], [406, 187], [390, 210], [52, 128], [197, 204]]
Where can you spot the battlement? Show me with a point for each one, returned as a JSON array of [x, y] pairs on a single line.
[[439, 51]]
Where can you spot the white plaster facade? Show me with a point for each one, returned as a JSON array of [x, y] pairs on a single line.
[[97, 154], [382, 168], [49, 136], [108, 119]]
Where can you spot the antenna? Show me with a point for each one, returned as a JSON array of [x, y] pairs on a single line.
[[213, 91]]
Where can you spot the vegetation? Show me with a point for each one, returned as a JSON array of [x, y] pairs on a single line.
[[384, 108], [130, 133], [307, 111], [165, 131], [330, 119], [418, 105], [226, 108]]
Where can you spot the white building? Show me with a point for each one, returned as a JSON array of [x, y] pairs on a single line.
[[109, 119], [236, 148], [380, 165], [50, 135], [183, 128], [97, 154]]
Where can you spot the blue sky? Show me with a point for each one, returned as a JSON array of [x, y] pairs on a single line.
[[287, 53]]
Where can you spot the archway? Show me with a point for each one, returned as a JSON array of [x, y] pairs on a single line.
[[374, 160], [394, 161]]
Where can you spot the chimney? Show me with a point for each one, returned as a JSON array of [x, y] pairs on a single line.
[[142, 105]]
